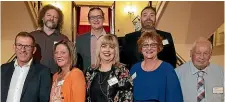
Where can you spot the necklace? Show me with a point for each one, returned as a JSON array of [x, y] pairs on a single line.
[[100, 83], [100, 77]]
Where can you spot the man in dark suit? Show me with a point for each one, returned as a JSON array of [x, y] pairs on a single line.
[[130, 54], [86, 43], [23, 80]]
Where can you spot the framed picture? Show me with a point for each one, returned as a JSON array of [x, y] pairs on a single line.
[[137, 23]]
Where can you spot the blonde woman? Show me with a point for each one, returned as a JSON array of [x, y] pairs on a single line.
[[68, 82], [108, 80]]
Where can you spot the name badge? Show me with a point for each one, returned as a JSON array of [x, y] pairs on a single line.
[[218, 90], [113, 81], [134, 76], [165, 42], [60, 83], [55, 42]]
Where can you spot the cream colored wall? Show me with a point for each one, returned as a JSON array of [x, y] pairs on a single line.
[[75, 24], [187, 21], [14, 19], [123, 22], [67, 11], [219, 60]]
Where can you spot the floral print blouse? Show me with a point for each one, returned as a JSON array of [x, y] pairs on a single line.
[[123, 87]]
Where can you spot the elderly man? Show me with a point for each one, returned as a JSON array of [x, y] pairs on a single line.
[[24, 80], [201, 81]]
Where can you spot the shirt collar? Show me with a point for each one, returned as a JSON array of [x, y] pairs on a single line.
[[56, 32], [194, 70], [103, 33], [26, 65]]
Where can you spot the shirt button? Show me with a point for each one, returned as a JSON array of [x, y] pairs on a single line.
[[62, 97]]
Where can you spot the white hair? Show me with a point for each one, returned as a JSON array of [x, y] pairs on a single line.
[[202, 41]]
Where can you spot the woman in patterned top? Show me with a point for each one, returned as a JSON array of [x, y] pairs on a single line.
[[108, 80]]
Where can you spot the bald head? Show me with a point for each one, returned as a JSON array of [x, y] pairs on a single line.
[[201, 53]]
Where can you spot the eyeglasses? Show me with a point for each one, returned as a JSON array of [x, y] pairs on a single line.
[[27, 47], [152, 45], [96, 17]]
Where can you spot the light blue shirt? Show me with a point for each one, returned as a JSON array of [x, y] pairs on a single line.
[[213, 77]]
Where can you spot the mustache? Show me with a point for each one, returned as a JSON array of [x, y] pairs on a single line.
[[148, 21], [50, 21]]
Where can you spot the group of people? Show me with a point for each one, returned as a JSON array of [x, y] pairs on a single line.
[[50, 68]]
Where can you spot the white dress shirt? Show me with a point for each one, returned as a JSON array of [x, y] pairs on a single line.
[[17, 82]]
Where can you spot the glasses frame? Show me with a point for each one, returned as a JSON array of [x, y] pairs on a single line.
[[26, 47]]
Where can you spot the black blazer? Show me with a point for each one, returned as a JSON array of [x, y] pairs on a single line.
[[130, 54], [37, 85]]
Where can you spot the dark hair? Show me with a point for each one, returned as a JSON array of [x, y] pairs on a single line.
[[25, 34], [95, 8], [148, 7], [150, 35], [72, 52], [42, 14]]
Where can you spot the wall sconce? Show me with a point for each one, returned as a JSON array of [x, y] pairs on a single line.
[[130, 10], [57, 4]]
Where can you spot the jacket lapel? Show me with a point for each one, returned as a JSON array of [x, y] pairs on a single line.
[[7, 79], [29, 77], [88, 48]]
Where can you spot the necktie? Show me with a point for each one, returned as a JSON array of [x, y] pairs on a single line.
[[201, 87]]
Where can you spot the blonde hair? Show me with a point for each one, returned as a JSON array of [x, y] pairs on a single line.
[[150, 35], [72, 52], [111, 40]]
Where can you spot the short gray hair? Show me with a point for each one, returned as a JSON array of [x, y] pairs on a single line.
[[202, 40]]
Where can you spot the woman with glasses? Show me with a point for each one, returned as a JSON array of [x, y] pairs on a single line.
[[108, 80], [154, 80], [68, 82]]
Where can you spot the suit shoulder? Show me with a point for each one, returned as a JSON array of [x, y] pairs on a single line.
[[6, 65], [82, 37], [41, 66], [132, 34], [162, 32]]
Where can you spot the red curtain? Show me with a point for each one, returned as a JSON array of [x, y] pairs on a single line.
[[83, 29]]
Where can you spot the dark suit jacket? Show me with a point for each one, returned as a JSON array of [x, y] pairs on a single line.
[[83, 48], [37, 85], [130, 54]]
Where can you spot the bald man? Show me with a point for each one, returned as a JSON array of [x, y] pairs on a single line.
[[201, 81]]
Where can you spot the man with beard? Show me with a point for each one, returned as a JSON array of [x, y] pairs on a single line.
[[130, 54], [50, 23]]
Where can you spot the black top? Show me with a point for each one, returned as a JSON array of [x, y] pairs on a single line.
[[98, 88]]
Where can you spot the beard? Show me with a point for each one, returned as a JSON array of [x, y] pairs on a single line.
[[148, 24], [50, 24]]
